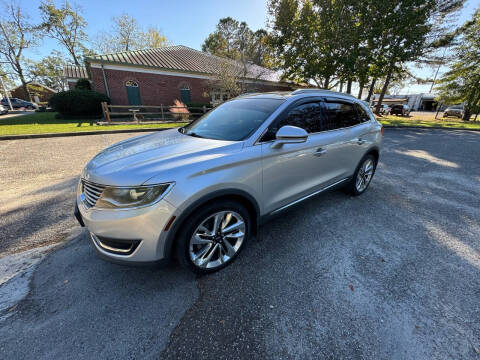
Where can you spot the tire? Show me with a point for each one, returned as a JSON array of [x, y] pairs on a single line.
[[190, 249], [352, 187]]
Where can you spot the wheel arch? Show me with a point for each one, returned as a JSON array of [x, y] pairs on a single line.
[[375, 151], [241, 196]]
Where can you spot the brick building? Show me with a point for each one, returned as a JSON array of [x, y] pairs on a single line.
[[162, 75], [38, 92]]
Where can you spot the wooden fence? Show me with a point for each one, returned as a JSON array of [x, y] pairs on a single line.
[[115, 114]]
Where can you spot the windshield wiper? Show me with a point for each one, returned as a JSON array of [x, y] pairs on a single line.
[[194, 134]]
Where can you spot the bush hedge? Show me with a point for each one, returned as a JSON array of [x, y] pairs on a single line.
[[78, 102], [83, 84]]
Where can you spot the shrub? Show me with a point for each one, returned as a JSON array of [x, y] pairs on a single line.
[[78, 102], [83, 84], [197, 104]]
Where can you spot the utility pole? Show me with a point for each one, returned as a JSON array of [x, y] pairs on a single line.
[[436, 73]]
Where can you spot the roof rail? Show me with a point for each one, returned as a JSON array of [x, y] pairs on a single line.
[[312, 90], [299, 91]]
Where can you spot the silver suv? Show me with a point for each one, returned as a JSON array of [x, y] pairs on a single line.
[[201, 191]]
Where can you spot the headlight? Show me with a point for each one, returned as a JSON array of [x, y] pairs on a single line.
[[127, 197]]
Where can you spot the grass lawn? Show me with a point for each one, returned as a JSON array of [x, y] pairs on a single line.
[[41, 123], [428, 120]]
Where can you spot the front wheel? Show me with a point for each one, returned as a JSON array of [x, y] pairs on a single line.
[[213, 237], [363, 175]]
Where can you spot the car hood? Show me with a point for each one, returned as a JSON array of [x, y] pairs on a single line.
[[134, 161]]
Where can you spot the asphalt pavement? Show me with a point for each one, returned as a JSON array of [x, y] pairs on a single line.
[[392, 274], [38, 179]]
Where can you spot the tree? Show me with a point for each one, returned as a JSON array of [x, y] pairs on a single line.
[[16, 35], [83, 84], [235, 40], [153, 38], [406, 34], [461, 84], [66, 25], [319, 40], [127, 34], [49, 71], [341, 41], [126, 30], [224, 41], [226, 79]]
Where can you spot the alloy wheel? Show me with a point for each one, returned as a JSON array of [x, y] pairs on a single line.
[[364, 175], [217, 239]]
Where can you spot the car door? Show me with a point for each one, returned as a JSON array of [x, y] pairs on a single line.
[[292, 171]]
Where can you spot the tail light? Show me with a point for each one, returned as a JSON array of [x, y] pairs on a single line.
[[382, 131]]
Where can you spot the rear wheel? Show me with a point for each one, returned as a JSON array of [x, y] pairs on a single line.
[[213, 237], [363, 175]]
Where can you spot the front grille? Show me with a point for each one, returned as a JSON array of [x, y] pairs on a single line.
[[91, 192]]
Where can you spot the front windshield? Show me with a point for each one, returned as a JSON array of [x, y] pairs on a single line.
[[234, 120]]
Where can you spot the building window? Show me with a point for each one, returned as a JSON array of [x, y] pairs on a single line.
[[133, 93], [185, 94], [218, 96]]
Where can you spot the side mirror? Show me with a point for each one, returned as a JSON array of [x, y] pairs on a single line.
[[289, 135]]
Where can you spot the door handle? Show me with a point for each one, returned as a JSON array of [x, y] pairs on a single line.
[[360, 141], [320, 152]]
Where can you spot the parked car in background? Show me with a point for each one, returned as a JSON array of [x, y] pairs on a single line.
[[384, 109], [19, 103], [3, 110], [455, 110], [201, 191], [400, 109]]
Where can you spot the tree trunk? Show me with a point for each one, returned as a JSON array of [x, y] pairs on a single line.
[[372, 87], [75, 60], [360, 91], [384, 90], [349, 86], [327, 82], [438, 110], [472, 100], [476, 105], [341, 86], [24, 85]]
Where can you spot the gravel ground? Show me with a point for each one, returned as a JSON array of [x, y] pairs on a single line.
[[38, 179], [394, 273]]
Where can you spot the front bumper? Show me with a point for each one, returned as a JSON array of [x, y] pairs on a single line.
[[141, 227]]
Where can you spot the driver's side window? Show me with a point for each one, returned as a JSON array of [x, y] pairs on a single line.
[[306, 116]]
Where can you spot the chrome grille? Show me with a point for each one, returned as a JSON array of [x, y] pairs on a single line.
[[91, 192]]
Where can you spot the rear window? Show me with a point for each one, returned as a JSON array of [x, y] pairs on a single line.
[[339, 115]]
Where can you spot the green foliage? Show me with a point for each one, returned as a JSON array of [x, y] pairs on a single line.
[[66, 25], [83, 84], [49, 71], [324, 40], [461, 84], [78, 102], [235, 40]]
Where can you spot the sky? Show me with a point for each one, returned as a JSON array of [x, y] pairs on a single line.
[[188, 22]]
